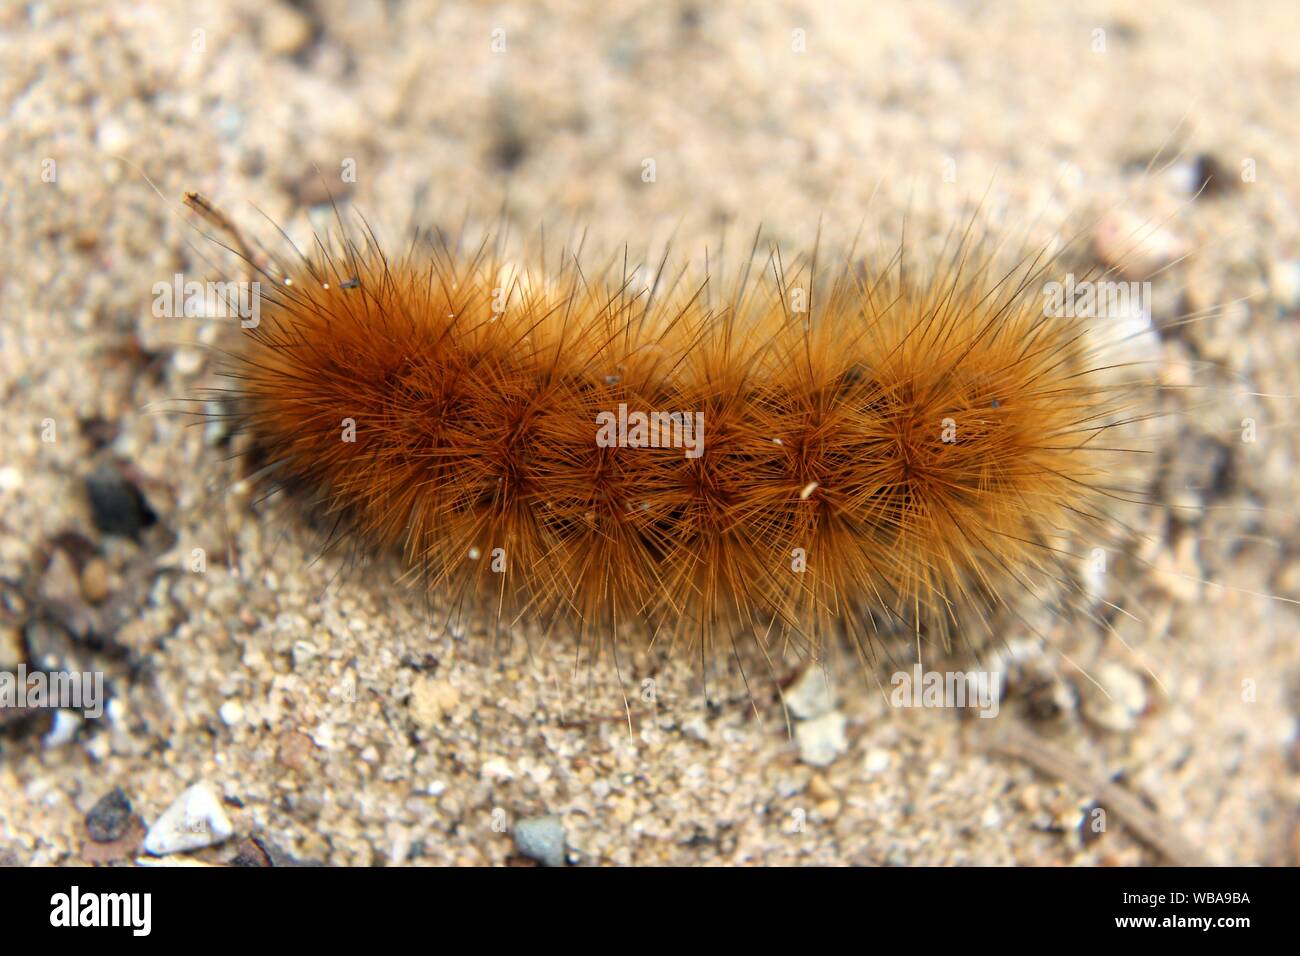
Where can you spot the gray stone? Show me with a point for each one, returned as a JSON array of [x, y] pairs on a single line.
[[109, 819], [541, 839]]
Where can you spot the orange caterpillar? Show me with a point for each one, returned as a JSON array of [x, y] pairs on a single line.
[[781, 460]]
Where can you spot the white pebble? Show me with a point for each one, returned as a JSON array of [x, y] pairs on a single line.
[[1284, 282], [63, 729], [876, 761], [195, 820], [812, 695], [113, 137], [821, 740], [1118, 702], [232, 712]]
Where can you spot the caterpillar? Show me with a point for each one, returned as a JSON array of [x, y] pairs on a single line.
[[772, 459]]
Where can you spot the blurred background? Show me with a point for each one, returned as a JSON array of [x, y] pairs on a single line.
[[333, 721]]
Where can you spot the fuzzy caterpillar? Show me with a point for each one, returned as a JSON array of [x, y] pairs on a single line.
[[880, 451]]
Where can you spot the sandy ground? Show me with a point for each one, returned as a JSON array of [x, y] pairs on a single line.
[[336, 719]]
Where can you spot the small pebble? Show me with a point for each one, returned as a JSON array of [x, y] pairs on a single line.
[[285, 30], [497, 769], [109, 819], [431, 699], [113, 136], [231, 713], [294, 749], [116, 505], [249, 854], [1284, 283], [94, 581], [812, 695], [876, 761], [187, 362], [1031, 798], [1211, 177], [821, 740], [50, 647], [60, 582], [541, 839], [697, 728], [1177, 571], [830, 809], [1134, 245], [11, 648], [819, 788], [1122, 702], [217, 428], [63, 729], [195, 820]]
